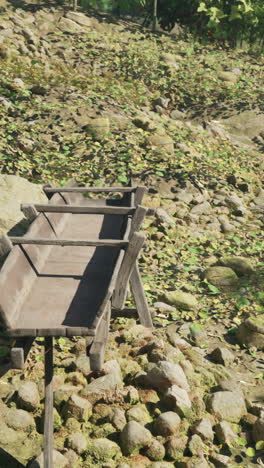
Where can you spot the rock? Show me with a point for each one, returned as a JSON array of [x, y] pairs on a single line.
[[66, 24], [163, 102], [175, 446], [98, 128], [134, 437], [103, 449], [161, 464], [155, 451], [178, 400], [20, 420], [244, 127], [3, 101], [224, 433], [181, 300], [240, 265], [78, 408], [228, 76], [197, 335], [59, 461], [165, 374], [63, 393], [220, 276], [201, 208], [229, 385], [39, 90], [18, 83], [161, 143], [163, 308], [79, 18], [183, 196], [258, 430], [251, 333], [83, 364], [193, 462], [77, 442], [76, 378], [163, 217], [118, 419], [28, 396], [111, 380], [234, 201], [222, 356], [220, 461], [204, 429], [228, 406], [170, 60], [6, 390], [196, 445], [167, 424], [227, 227], [139, 414], [15, 190], [177, 115], [175, 339]]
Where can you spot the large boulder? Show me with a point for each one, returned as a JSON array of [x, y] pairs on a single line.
[[15, 190], [251, 333], [134, 437]]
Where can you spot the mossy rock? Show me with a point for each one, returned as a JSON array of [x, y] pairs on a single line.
[[220, 276], [251, 333], [181, 300], [161, 143], [240, 265], [103, 449], [98, 128]]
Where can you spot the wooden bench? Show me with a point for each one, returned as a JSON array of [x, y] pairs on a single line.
[[66, 274]]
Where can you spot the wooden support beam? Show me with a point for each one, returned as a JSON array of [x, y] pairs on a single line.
[[138, 219], [139, 194], [29, 211], [140, 298], [84, 209], [69, 242], [49, 189], [48, 416], [97, 350], [136, 243], [20, 352], [5, 245]]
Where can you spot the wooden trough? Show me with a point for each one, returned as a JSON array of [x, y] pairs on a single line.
[[66, 274]]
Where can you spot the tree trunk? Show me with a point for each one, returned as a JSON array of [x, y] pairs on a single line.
[[155, 8]]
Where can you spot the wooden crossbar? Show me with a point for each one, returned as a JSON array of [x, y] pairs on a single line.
[[69, 242], [88, 189], [82, 209]]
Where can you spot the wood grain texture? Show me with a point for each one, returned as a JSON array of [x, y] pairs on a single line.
[[68, 242], [48, 415], [139, 194], [140, 298], [84, 209], [136, 243], [29, 212], [49, 189], [137, 219], [97, 350], [20, 352]]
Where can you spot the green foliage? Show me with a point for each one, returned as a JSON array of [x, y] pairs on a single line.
[[234, 20]]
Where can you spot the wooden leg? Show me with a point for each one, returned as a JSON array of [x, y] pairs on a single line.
[[97, 349], [48, 418], [20, 351], [140, 298]]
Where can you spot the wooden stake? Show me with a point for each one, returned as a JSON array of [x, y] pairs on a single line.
[[140, 298], [48, 417]]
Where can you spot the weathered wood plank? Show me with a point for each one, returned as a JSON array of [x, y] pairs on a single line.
[[20, 352], [139, 194], [136, 243], [29, 211], [48, 416], [84, 209], [97, 350], [138, 218], [5, 245], [69, 242], [49, 189], [140, 298]]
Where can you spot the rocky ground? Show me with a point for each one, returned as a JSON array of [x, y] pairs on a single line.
[[103, 101]]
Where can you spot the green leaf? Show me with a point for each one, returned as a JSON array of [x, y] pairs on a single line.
[[213, 289], [260, 445], [241, 441], [62, 341], [250, 452]]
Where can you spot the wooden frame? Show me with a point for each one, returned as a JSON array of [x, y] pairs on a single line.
[[125, 270]]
